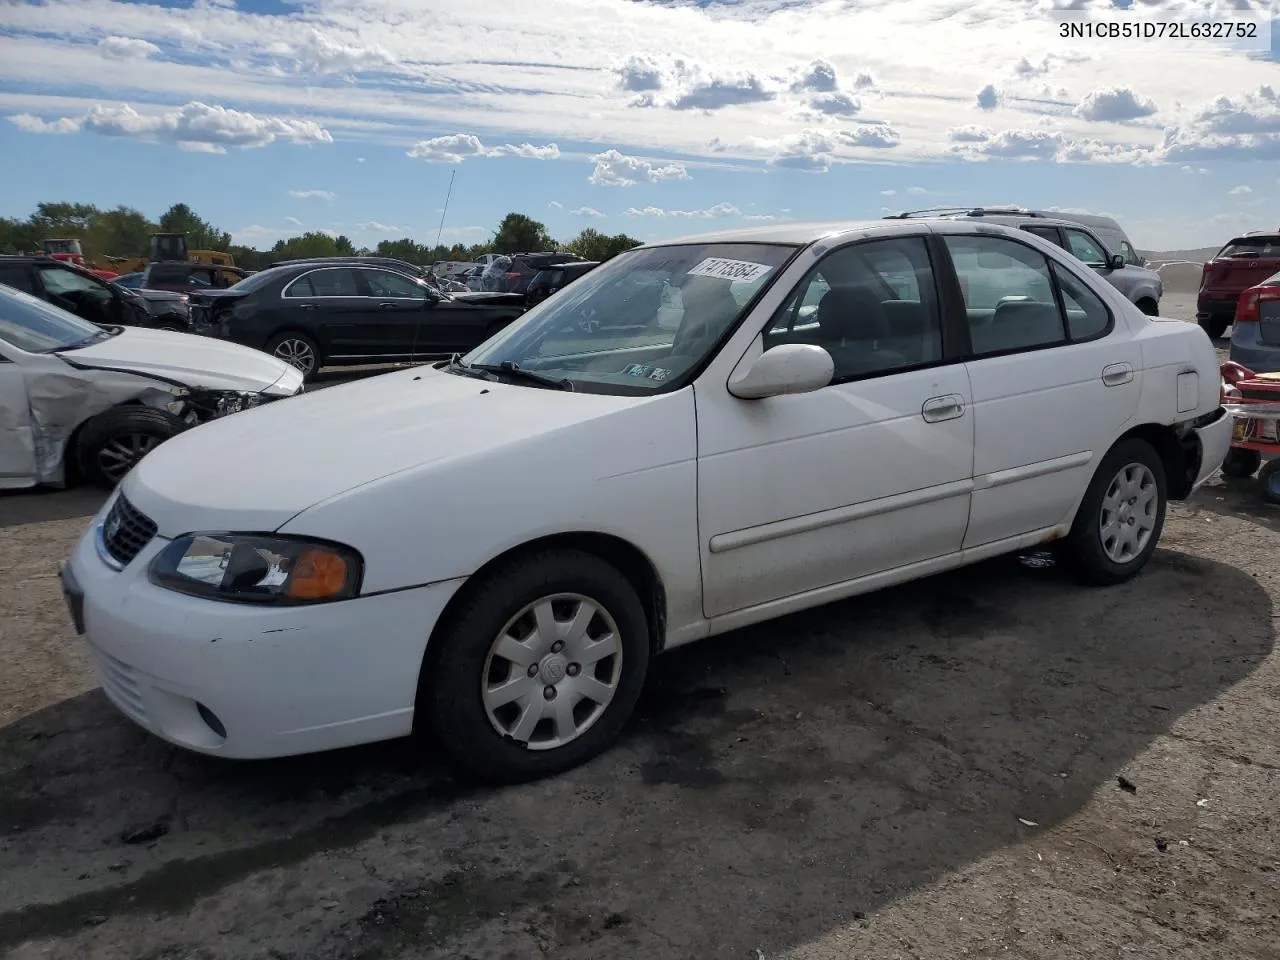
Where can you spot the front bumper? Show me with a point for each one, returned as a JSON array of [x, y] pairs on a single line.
[[243, 681]]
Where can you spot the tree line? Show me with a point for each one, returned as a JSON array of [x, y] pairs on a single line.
[[125, 232]]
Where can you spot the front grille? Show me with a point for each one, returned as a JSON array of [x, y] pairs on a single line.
[[126, 530]]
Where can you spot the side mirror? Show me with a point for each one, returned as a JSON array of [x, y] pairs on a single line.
[[787, 368], [1116, 261]]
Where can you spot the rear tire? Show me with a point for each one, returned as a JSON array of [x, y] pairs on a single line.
[[1269, 480], [1215, 327], [1121, 516], [111, 444], [1241, 463], [492, 644], [297, 350]]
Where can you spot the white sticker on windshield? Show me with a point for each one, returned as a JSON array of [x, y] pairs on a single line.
[[743, 271]]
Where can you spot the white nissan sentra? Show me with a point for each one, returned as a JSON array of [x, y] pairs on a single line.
[[695, 436]]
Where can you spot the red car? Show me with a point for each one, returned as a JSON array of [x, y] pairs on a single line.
[[1245, 261]]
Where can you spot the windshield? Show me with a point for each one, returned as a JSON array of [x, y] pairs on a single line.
[[642, 320], [256, 280], [38, 327]]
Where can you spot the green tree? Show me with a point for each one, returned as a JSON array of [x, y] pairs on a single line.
[[201, 234], [518, 233], [312, 244], [122, 232], [18, 236], [403, 249], [591, 244]]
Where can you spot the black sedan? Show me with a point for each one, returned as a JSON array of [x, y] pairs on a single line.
[[327, 314]]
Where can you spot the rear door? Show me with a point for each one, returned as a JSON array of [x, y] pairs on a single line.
[[18, 276], [17, 441], [81, 294], [1033, 364], [327, 304]]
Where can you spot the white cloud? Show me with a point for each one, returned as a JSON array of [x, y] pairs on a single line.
[[313, 194], [887, 193], [32, 124], [556, 205], [1115, 104], [719, 210], [374, 226], [988, 97], [317, 52], [293, 221], [915, 191], [196, 126], [1240, 191], [969, 133], [682, 84], [127, 48], [587, 212], [614, 169], [457, 147]]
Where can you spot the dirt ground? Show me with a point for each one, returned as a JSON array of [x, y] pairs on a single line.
[[989, 763]]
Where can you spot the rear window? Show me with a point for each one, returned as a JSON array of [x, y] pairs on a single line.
[[1253, 247]]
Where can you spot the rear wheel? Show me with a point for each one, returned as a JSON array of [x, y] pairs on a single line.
[[298, 350], [1215, 327], [1120, 518], [538, 669], [112, 443], [1269, 480], [1241, 463]]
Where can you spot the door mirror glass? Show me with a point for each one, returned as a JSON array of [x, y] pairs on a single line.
[[1116, 261], [787, 368]]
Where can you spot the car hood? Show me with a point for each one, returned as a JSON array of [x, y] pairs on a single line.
[[259, 468], [189, 361], [146, 293], [479, 299]]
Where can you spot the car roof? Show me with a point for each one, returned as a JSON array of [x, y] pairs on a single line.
[[797, 234]]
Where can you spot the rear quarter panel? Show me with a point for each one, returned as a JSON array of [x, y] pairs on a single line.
[[1173, 349]]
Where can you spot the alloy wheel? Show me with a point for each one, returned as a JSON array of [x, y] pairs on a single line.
[[118, 455], [296, 352]]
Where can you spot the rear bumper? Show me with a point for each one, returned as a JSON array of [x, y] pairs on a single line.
[[1250, 350], [1215, 441], [1207, 308]]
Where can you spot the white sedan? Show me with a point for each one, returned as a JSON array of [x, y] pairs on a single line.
[[494, 548]]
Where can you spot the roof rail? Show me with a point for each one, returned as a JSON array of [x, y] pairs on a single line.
[[964, 211]]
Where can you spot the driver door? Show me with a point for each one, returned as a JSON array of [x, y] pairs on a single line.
[[870, 473], [85, 296], [17, 441]]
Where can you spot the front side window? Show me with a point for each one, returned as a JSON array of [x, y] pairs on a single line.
[[872, 306], [1084, 247], [1048, 233], [1130, 255], [384, 283], [641, 321], [1008, 290]]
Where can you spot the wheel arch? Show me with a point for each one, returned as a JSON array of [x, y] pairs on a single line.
[[632, 562], [1179, 452], [1146, 300]]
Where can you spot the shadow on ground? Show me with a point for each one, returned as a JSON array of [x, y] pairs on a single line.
[[1237, 498], [43, 504], [777, 782]]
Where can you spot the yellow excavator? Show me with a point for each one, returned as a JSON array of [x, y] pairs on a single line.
[[170, 248]]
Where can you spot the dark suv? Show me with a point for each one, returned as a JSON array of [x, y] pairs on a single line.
[[93, 299], [511, 272], [1245, 261], [550, 279], [186, 277]]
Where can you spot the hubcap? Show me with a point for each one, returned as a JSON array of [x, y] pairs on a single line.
[[298, 353], [118, 455], [552, 671], [1128, 516]]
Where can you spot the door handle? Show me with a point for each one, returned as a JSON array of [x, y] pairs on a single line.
[[307, 306], [386, 306], [1114, 374], [943, 408]]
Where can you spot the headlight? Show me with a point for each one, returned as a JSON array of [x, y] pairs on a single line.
[[252, 568]]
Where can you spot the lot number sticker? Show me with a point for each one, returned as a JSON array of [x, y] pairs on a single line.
[[742, 271]]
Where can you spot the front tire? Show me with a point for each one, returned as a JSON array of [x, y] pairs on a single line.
[[538, 669], [1269, 480], [1241, 463], [112, 443], [1121, 516]]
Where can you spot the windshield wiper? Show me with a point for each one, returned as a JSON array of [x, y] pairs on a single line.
[[87, 341], [512, 369]]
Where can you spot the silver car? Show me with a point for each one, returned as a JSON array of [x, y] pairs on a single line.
[[1124, 270]]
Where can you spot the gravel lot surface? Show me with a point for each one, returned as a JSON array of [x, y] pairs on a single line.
[[989, 763]]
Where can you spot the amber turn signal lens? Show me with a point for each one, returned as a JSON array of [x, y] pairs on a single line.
[[317, 574]]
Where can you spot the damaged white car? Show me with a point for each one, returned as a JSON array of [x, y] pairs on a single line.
[[81, 399]]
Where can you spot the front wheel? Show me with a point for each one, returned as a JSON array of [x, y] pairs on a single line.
[[538, 669], [1120, 518], [296, 349], [112, 443]]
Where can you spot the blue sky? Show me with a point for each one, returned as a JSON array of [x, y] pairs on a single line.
[[654, 118]]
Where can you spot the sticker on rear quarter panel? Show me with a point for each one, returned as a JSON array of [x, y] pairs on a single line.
[[743, 271]]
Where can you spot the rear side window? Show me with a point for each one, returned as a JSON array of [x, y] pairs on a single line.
[[1048, 233], [1008, 292], [1084, 247], [1087, 315], [169, 272], [338, 282], [1251, 247], [18, 277]]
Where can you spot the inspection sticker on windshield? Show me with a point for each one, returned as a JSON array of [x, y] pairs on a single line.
[[743, 271]]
